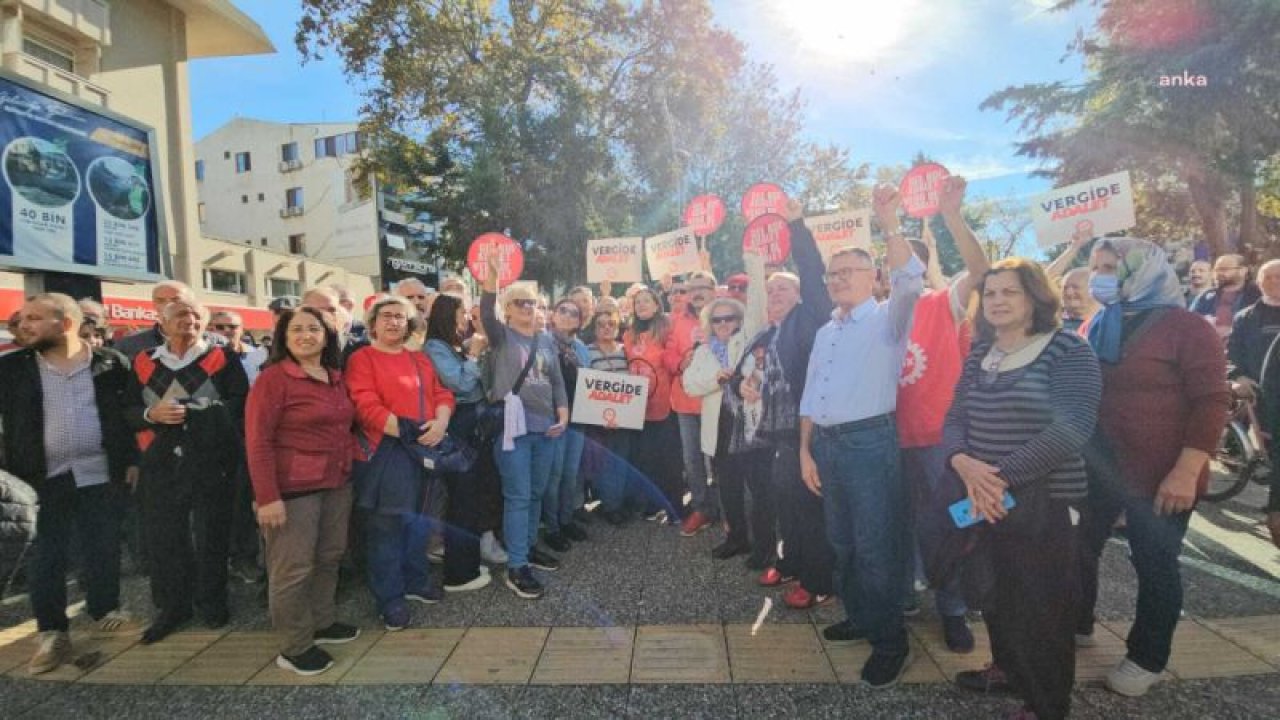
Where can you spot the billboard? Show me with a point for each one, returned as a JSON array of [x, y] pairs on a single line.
[[78, 189]]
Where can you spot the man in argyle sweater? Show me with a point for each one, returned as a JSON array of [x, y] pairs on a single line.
[[186, 404]]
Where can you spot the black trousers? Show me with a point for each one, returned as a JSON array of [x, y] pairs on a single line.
[[186, 513], [656, 454], [806, 554], [92, 515], [464, 513], [1032, 611], [244, 522], [736, 475]]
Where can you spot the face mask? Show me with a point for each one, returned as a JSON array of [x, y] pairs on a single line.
[[1104, 288]]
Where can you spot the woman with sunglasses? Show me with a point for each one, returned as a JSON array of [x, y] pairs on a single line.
[[564, 490], [1025, 406], [534, 415], [654, 450]]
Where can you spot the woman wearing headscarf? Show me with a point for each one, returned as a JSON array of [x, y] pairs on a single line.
[[1164, 404]]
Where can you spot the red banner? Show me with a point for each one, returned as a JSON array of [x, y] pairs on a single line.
[[920, 189], [768, 235], [763, 198], [704, 214], [138, 313], [510, 257]]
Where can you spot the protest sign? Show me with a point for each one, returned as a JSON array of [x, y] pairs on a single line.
[[842, 229], [704, 214], [763, 198], [769, 236], [1096, 207], [921, 188], [510, 257], [672, 253], [609, 399], [614, 260]]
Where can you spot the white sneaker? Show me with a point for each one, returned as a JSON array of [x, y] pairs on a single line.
[[1130, 680], [54, 650], [491, 550], [480, 581]]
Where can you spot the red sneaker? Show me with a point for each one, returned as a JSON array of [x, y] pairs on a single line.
[[798, 598], [773, 578], [693, 524]]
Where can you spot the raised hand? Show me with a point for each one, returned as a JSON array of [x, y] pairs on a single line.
[[951, 197]]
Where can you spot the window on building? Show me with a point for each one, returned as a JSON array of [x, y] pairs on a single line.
[[199, 170], [277, 287], [293, 197], [289, 152], [263, 242], [200, 212], [335, 145], [244, 198], [243, 163], [262, 197], [326, 147], [298, 244], [63, 58], [226, 154], [225, 281]]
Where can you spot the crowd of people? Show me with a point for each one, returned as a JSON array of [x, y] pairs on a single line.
[[823, 419]]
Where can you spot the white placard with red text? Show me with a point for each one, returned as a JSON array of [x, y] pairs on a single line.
[[1097, 207], [610, 399], [842, 229], [615, 260], [672, 253]]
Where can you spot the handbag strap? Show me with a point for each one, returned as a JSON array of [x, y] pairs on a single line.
[[528, 364], [422, 391]]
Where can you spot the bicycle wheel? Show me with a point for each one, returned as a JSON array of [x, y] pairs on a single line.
[[1230, 467]]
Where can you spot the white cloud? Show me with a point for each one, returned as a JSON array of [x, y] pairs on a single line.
[[986, 167]]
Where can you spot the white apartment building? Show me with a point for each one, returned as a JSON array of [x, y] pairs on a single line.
[[288, 188]]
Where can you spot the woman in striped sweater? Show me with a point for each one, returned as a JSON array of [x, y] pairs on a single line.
[[1025, 405]]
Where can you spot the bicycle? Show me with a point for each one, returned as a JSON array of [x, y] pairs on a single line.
[[1241, 456]]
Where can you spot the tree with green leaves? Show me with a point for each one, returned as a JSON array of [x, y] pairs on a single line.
[[1188, 146]]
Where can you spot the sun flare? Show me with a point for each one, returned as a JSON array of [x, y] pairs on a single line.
[[843, 31]]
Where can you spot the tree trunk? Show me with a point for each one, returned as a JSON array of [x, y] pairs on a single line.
[[1208, 197], [1251, 239]]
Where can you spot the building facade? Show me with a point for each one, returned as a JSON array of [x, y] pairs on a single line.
[[130, 58]]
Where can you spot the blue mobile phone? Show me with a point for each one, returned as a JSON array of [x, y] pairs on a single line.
[[962, 511]]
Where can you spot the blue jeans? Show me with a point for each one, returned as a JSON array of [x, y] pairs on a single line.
[[922, 470], [564, 489], [91, 514], [396, 556], [525, 471], [866, 510], [617, 483], [706, 498]]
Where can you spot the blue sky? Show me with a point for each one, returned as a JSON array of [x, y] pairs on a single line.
[[886, 78]]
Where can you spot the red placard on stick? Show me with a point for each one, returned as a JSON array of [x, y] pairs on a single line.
[[763, 198], [920, 189], [510, 257], [704, 214], [768, 235]]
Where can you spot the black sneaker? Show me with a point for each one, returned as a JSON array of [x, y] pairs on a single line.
[[957, 634], [557, 542], [583, 516], [842, 632], [574, 532], [337, 634], [728, 549], [883, 671], [430, 595], [523, 583], [543, 560], [312, 661], [616, 518]]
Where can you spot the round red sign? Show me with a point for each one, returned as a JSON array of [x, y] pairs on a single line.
[[763, 198], [704, 214], [510, 257], [768, 235], [921, 188]]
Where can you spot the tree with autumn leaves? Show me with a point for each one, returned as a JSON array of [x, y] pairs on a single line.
[[1204, 159]]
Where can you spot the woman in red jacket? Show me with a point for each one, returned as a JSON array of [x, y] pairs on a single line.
[[299, 447], [655, 451], [399, 401]]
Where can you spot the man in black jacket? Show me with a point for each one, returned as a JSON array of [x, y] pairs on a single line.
[[61, 403]]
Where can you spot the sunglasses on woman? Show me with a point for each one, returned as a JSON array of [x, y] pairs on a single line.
[[722, 319], [524, 303]]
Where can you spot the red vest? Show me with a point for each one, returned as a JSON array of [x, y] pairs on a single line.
[[935, 357]]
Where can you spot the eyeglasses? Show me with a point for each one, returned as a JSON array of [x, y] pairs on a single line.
[[844, 274], [225, 326], [568, 311], [738, 288], [722, 319], [524, 303]]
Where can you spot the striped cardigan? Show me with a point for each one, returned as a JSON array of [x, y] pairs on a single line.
[[1033, 421]]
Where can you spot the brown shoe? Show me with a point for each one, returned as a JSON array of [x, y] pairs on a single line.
[[54, 650]]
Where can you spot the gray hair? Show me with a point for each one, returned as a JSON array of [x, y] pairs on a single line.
[[64, 306], [383, 301], [171, 310]]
